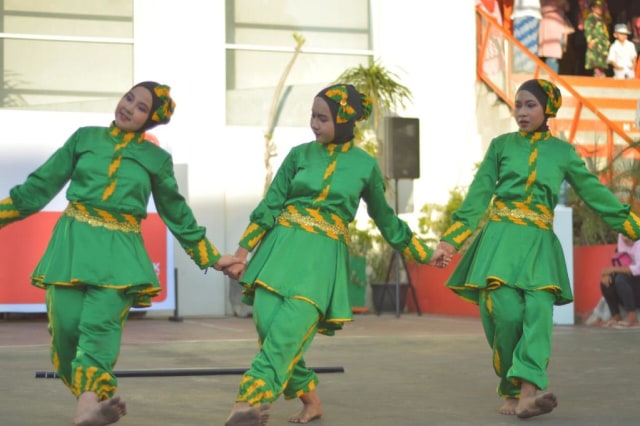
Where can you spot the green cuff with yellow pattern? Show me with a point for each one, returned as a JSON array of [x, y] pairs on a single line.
[[252, 236], [203, 253], [8, 212], [631, 226], [417, 250], [457, 234]]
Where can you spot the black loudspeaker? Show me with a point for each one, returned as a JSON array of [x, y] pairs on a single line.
[[401, 153]]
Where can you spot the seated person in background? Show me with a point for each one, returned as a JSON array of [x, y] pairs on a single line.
[[620, 283]]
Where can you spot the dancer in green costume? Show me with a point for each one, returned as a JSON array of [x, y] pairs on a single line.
[[297, 279], [515, 268], [95, 267]]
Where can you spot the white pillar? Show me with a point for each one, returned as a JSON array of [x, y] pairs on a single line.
[[563, 227]]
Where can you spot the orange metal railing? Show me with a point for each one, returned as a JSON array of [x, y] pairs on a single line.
[[497, 48]]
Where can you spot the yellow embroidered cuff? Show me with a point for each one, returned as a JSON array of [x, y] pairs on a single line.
[[8, 212], [252, 236], [631, 226], [457, 234], [417, 250], [203, 253]]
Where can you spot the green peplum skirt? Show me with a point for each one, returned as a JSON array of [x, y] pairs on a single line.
[[80, 253], [295, 263], [524, 257]]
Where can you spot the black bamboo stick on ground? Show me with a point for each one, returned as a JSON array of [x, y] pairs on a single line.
[[184, 372]]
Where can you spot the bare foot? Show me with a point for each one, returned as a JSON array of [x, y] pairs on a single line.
[[509, 407], [311, 408], [536, 405], [242, 414], [91, 412]]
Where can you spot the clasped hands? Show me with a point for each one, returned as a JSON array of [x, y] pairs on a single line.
[[233, 265], [442, 255]]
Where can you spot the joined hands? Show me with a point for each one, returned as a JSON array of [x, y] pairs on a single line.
[[230, 262], [442, 255], [233, 265]]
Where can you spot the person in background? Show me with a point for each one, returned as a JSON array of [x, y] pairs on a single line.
[[526, 23], [620, 284], [297, 279], [515, 268], [596, 34], [554, 31], [622, 53], [584, 9], [96, 267]]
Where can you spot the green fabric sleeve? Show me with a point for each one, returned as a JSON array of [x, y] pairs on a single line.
[[466, 218], [8, 212], [394, 230], [179, 218], [43, 184], [600, 199], [263, 217]]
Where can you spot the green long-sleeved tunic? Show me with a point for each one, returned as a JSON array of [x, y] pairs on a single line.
[[522, 174], [301, 225], [97, 240]]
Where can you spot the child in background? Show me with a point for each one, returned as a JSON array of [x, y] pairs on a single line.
[[95, 267], [297, 279], [515, 268], [622, 54]]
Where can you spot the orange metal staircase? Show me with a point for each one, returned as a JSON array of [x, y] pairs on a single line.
[[598, 115]]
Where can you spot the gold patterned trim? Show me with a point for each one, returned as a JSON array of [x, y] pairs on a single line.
[[85, 217], [312, 222], [519, 214]]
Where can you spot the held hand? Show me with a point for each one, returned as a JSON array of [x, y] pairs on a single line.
[[227, 260], [442, 255], [235, 271], [439, 259], [606, 279]]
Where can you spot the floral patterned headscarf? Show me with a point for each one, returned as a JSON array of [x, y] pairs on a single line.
[[347, 107], [162, 105]]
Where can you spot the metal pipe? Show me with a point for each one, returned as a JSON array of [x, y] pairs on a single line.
[[184, 372]]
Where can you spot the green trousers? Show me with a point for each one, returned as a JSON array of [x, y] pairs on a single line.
[[286, 327], [86, 324], [518, 325]]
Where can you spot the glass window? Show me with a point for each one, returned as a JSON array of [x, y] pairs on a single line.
[[80, 53], [260, 45]]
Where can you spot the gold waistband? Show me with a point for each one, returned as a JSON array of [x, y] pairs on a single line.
[[313, 222], [522, 215], [110, 224]]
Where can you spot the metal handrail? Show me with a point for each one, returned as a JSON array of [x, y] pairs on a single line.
[[493, 28]]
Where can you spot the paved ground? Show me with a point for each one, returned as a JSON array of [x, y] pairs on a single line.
[[406, 371]]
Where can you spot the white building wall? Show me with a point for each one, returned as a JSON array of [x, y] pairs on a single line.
[[182, 44], [435, 55]]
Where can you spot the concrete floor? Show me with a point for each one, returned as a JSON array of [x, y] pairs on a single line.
[[406, 371]]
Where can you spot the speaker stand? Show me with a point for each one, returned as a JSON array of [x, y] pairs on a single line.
[[388, 286]]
